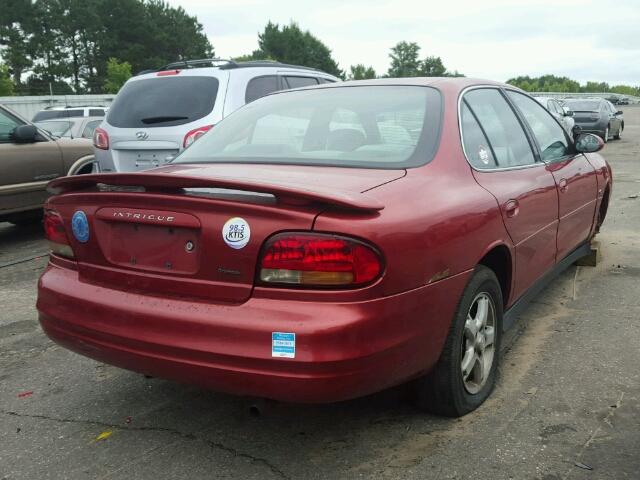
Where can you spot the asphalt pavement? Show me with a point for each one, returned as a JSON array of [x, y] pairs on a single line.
[[567, 403]]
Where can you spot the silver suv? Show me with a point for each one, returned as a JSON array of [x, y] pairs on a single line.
[[158, 114]]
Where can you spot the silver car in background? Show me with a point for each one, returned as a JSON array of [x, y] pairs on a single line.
[[158, 114], [76, 127], [563, 114]]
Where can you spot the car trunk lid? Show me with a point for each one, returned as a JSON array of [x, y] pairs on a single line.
[[196, 231]]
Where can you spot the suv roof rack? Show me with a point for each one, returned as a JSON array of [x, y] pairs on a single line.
[[225, 64], [266, 63], [200, 63]]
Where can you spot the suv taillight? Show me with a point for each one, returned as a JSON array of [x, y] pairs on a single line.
[[318, 259], [195, 134], [55, 233], [101, 139]]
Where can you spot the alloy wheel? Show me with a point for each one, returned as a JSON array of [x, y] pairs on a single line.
[[478, 343]]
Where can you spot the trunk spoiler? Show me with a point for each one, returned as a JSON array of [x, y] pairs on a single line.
[[164, 182]]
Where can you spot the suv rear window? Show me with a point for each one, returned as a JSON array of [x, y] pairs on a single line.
[[53, 114], [363, 126], [163, 102]]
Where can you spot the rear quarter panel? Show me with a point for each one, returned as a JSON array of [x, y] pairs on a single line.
[[72, 150], [433, 227]]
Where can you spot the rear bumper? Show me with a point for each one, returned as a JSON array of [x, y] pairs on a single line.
[[342, 350]]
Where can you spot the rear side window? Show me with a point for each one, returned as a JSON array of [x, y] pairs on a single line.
[[549, 135], [325, 80], [507, 139], [476, 145], [96, 112], [261, 86], [163, 102], [298, 82]]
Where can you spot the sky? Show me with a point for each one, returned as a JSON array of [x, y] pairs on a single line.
[[492, 39]]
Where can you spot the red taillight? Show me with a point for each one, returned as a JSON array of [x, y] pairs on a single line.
[[195, 134], [166, 73], [101, 139], [56, 235], [311, 259]]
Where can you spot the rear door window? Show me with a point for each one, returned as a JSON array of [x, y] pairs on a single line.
[[261, 86], [299, 82], [506, 136], [549, 135], [96, 112], [163, 102]]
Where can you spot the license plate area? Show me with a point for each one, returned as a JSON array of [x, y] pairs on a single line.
[[154, 248], [149, 240]]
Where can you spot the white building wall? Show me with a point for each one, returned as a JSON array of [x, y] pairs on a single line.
[[27, 107]]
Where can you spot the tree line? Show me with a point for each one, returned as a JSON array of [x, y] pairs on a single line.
[[552, 83], [94, 46], [65, 45]]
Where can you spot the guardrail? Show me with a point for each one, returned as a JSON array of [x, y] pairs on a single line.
[[607, 95]]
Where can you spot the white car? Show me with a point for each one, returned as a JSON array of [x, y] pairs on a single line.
[[563, 114], [54, 113], [74, 127], [158, 114]]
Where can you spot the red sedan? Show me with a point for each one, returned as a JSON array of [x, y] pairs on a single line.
[[326, 243]]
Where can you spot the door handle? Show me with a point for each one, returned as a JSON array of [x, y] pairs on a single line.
[[511, 208], [563, 185]]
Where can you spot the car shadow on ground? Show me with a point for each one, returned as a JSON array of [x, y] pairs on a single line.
[[17, 242]]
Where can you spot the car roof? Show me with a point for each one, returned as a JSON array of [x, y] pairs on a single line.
[[198, 67], [449, 85]]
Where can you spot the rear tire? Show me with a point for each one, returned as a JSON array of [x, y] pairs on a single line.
[[466, 372], [618, 136]]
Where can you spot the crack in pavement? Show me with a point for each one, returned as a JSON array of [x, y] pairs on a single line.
[[607, 419], [188, 436]]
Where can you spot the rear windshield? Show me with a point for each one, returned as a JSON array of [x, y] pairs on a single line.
[[51, 114], [583, 105], [163, 102], [58, 128], [359, 126]]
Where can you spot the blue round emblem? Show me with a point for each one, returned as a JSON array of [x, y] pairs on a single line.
[[80, 226]]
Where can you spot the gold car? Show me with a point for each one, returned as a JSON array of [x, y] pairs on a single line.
[[29, 159]]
